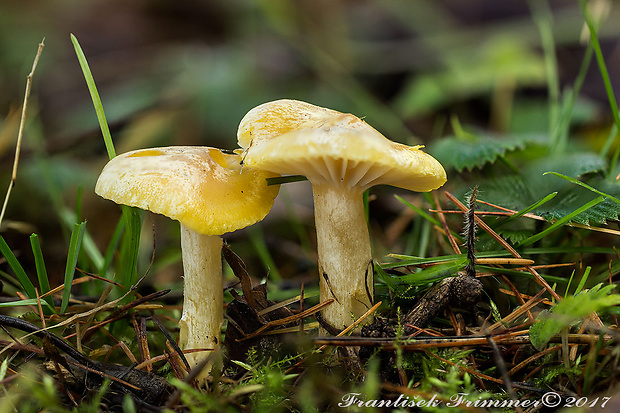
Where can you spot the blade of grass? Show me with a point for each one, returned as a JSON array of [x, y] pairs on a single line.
[[279, 180], [430, 274], [258, 241], [582, 184], [384, 276], [526, 210], [560, 222], [604, 75], [522, 274], [543, 18], [17, 269], [570, 98], [112, 247], [570, 280], [90, 248], [130, 246], [94, 94], [30, 301], [44, 284], [72, 256], [583, 280], [412, 260], [418, 210]]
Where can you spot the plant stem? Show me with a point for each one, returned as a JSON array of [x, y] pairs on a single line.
[[345, 258], [201, 322]]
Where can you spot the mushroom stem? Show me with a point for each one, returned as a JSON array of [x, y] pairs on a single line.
[[201, 321], [345, 257]]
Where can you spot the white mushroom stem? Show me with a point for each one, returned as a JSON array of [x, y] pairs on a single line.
[[201, 321], [345, 257]]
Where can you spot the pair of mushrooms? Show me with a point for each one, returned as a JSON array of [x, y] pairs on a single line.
[[211, 193]]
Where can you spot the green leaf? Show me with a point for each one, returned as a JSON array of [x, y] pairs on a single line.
[[534, 184], [475, 152], [569, 311]]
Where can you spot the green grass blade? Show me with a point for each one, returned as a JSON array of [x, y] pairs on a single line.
[[520, 274], [582, 184], [583, 281], [527, 209], [30, 301], [406, 260], [44, 283], [570, 280], [418, 210], [112, 247], [560, 222], [130, 247], [431, 274], [17, 269], [543, 18], [90, 81], [72, 256], [384, 276], [90, 248], [279, 180], [571, 97], [258, 241], [604, 74]]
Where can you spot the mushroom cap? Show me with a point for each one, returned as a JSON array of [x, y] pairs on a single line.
[[203, 188], [278, 117], [334, 148]]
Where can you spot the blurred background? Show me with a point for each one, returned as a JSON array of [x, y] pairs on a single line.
[[185, 73]]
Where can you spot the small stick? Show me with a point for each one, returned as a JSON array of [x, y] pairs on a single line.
[[287, 320], [504, 261], [507, 246], [301, 308], [20, 132], [143, 347]]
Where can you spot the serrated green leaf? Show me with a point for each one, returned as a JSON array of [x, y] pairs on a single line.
[[569, 311], [562, 221], [572, 197], [514, 236], [473, 153], [536, 182]]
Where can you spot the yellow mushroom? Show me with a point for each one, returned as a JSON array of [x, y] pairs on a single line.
[[210, 194], [342, 156]]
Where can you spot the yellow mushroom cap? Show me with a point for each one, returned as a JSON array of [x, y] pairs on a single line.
[[335, 148], [203, 188], [285, 115]]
